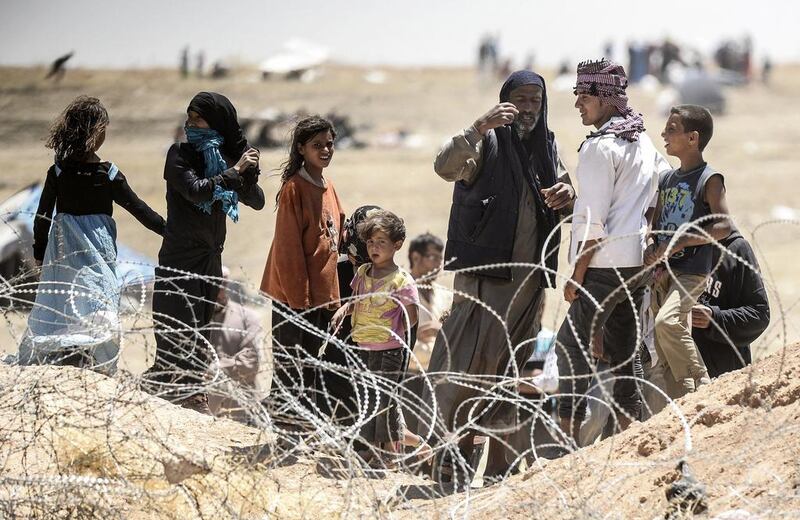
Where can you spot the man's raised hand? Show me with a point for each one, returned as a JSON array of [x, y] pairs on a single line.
[[499, 115]]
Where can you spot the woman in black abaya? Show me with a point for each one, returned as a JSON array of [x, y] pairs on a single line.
[[206, 179]]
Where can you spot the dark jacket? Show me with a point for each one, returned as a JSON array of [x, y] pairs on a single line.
[[483, 216], [739, 306], [189, 230]]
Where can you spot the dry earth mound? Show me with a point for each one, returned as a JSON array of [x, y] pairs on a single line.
[[740, 435], [75, 444]]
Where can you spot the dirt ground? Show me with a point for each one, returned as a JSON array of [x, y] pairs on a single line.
[[79, 445], [738, 434]]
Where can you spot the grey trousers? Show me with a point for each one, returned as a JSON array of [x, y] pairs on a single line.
[[618, 296]]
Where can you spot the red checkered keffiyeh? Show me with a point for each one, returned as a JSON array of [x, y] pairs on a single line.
[[608, 81]]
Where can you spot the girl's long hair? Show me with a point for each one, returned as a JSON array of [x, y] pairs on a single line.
[[303, 132], [78, 130]]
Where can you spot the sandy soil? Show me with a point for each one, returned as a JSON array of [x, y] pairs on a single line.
[[77, 443], [738, 434]]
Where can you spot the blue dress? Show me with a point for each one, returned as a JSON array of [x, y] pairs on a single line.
[[75, 318], [77, 301]]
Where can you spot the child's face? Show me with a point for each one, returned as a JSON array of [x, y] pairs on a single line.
[[677, 141], [193, 120], [318, 151], [381, 249], [429, 263]]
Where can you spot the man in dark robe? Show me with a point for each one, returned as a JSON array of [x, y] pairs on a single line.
[[510, 183]]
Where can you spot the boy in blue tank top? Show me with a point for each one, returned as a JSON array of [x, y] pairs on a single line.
[[683, 235]]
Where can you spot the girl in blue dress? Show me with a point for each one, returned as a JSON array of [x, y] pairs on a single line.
[[75, 317]]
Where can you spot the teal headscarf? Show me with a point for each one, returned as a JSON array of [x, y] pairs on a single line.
[[208, 142]]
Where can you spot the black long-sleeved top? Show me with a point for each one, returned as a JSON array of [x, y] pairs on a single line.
[[739, 306], [190, 231], [86, 189]]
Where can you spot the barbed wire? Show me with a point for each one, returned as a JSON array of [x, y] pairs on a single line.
[[101, 440]]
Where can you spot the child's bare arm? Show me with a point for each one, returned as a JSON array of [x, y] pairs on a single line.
[[340, 314], [413, 313], [715, 197], [717, 229], [651, 215]]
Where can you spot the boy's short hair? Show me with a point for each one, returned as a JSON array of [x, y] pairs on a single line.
[[385, 221], [695, 118], [421, 243]]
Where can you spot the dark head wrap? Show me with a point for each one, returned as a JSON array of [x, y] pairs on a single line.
[[540, 149], [219, 113], [608, 81], [540, 145], [519, 78], [351, 245]]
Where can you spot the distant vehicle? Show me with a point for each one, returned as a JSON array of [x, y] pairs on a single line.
[[700, 88]]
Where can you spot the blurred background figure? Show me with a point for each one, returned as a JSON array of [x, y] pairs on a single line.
[[220, 70], [200, 63], [236, 335], [425, 255], [670, 53], [608, 50], [488, 59], [58, 68], [184, 62]]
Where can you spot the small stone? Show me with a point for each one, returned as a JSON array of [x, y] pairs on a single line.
[[177, 469]]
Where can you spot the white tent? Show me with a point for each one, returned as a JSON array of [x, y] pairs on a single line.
[[295, 56]]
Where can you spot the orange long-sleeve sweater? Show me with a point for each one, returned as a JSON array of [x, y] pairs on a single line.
[[301, 266]]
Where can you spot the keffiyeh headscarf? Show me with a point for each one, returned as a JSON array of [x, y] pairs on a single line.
[[608, 81], [351, 245]]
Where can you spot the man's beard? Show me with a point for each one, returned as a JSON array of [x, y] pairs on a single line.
[[525, 130]]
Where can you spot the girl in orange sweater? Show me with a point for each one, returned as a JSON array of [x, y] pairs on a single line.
[[300, 275]]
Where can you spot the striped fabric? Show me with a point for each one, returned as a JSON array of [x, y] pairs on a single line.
[[607, 80]]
